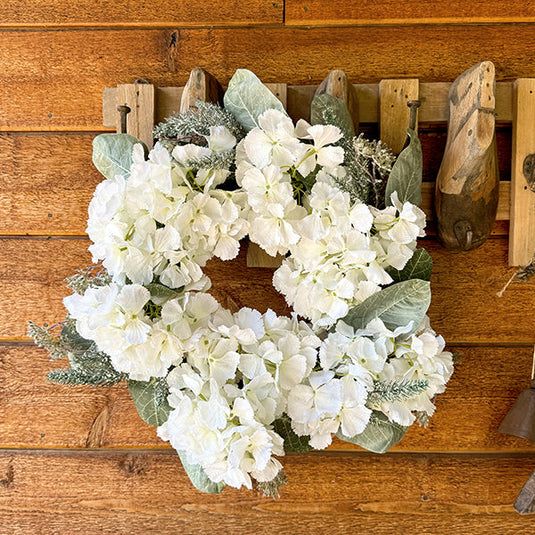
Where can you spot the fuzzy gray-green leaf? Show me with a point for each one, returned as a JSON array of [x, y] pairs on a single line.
[[112, 154], [159, 291], [379, 436], [247, 98], [406, 175], [199, 478], [292, 442], [326, 109], [75, 340], [396, 305], [151, 405], [420, 266]]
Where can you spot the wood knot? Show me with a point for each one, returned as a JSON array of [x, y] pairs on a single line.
[[8, 480], [133, 465], [172, 50], [97, 432]]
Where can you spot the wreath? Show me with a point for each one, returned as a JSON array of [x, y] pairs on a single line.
[[232, 392]]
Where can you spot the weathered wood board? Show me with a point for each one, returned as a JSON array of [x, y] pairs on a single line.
[[79, 64], [349, 12], [106, 471], [57, 492]]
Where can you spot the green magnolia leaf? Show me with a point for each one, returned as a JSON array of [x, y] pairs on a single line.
[[292, 442], [159, 291], [406, 174], [199, 478], [379, 436], [419, 266], [150, 403], [112, 154], [326, 109], [247, 98], [396, 305]]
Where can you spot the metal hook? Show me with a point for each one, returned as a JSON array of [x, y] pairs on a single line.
[[124, 110], [413, 105]]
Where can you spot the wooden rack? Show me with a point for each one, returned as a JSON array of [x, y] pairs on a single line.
[[383, 103]]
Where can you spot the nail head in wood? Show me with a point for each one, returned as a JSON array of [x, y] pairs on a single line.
[[123, 110]]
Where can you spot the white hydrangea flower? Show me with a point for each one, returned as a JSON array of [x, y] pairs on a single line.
[[314, 408], [273, 142], [322, 152]]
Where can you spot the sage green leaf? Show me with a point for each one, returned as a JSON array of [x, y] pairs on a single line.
[[292, 442], [406, 174], [379, 436], [420, 266], [112, 154], [326, 109], [159, 291], [199, 478], [247, 98], [396, 305], [150, 401], [75, 340]]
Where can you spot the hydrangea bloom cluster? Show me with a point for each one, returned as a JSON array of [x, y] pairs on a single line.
[[168, 218], [230, 389], [338, 249], [336, 397], [232, 376]]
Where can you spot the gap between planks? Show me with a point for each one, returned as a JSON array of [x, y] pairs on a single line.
[[333, 453], [293, 24]]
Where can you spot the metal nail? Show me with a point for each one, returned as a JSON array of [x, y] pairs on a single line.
[[124, 110], [413, 105]]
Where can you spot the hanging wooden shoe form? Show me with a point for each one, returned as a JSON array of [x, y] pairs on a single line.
[[466, 197]]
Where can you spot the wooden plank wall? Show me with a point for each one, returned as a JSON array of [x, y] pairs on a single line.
[[76, 460]]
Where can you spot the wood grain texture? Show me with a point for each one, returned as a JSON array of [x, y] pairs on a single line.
[[46, 183], [186, 13], [53, 80], [338, 85], [202, 86], [47, 180], [462, 310], [394, 113], [345, 12], [37, 414], [522, 239], [59, 492], [139, 99]]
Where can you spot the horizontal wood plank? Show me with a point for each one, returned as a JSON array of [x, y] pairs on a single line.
[[37, 414], [463, 307], [345, 12], [186, 13], [137, 492], [47, 180], [53, 80], [46, 183]]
